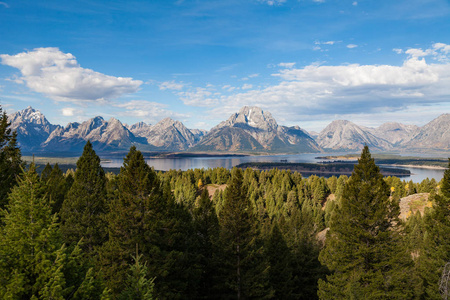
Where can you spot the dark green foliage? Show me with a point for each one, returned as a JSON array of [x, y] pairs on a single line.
[[135, 214], [206, 228], [34, 262], [363, 249], [56, 186], [11, 164], [280, 262], [139, 287], [83, 210], [244, 270], [436, 246]]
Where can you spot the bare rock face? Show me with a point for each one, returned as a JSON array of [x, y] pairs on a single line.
[[139, 129], [167, 134], [396, 133], [111, 135], [32, 128], [345, 135], [252, 129], [434, 135]]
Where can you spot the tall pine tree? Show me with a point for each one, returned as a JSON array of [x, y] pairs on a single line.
[[135, 215], [363, 249], [83, 210], [244, 268]]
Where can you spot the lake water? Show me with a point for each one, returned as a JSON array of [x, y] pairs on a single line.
[[185, 163]]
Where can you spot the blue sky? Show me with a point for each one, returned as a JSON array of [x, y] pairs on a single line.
[[308, 62]]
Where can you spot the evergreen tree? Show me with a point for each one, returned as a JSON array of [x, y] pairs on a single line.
[[280, 261], [83, 210], [135, 215], [206, 226], [34, 263], [363, 249], [436, 246], [244, 270], [139, 287], [11, 164]]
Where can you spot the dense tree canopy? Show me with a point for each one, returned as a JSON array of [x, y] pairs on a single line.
[[217, 233]]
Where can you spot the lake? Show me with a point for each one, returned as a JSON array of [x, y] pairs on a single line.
[[185, 163]]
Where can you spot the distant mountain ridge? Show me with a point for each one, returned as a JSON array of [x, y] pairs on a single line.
[[249, 130], [252, 129]]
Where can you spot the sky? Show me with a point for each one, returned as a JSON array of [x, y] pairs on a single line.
[[307, 62]]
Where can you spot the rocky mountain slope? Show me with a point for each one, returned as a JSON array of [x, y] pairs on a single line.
[[252, 129], [396, 133], [32, 128], [434, 135], [249, 130], [104, 135], [167, 134], [344, 135]]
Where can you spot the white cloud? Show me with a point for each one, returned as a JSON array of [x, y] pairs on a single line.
[[68, 111], [355, 3], [273, 2], [247, 86], [171, 85], [352, 89], [325, 43], [397, 50], [59, 76], [351, 46], [198, 97], [287, 65]]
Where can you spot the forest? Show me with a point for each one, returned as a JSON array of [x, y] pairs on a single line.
[[215, 233]]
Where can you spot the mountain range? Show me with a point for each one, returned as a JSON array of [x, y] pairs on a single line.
[[249, 130]]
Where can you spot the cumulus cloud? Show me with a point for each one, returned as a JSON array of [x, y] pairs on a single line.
[[59, 76], [68, 111], [247, 86], [353, 89], [171, 85], [351, 46]]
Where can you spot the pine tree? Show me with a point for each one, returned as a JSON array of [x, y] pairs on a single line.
[[206, 226], [83, 210], [135, 215], [363, 248], [139, 287], [31, 249], [436, 250], [244, 269], [11, 164], [280, 261]]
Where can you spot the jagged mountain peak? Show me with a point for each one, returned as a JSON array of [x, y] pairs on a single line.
[[252, 129], [166, 122], [346, 135], [30, 115], [251, 116]]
